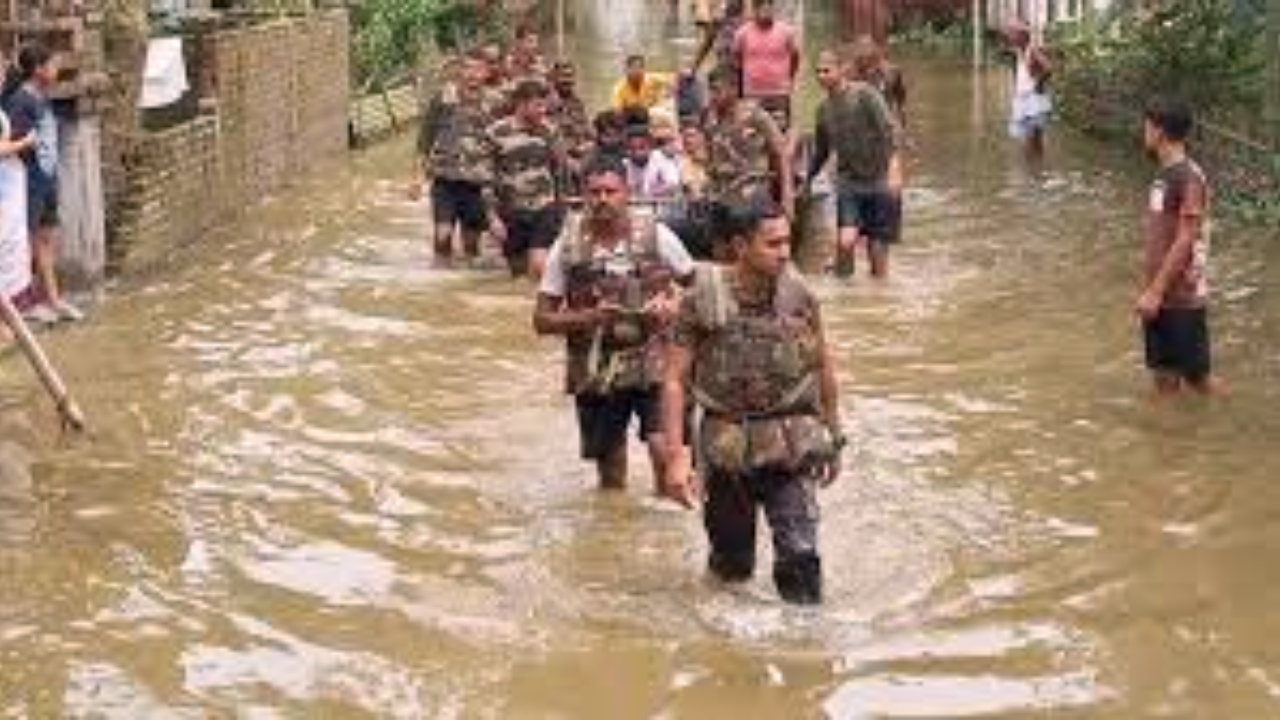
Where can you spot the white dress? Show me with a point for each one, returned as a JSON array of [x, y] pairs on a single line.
[[15, 246]]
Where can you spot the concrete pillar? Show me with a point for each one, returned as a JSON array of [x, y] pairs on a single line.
[[83, 255]]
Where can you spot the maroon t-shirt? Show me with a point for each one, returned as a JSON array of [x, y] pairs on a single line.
[[1179, 194]]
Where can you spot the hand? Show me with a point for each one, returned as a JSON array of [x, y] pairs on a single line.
[[1148, 305], [679, 485], [415, 190], [829, 472], [28, 140], [498, 230], [605, 314]]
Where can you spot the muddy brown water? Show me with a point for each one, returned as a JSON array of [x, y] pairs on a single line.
[[329, 482]]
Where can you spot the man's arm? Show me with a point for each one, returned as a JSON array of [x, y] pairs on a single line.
[[828, 386], [552, 317], [795, 58], [829, 396], [710, 31], [780, 158], [821, 147], [678, 484], [1176, 261]]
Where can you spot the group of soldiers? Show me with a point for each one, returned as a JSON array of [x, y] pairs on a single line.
[[722, 362]]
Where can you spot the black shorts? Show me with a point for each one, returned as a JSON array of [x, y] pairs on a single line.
[[459, 201], [1177, 343], [531, 230], [777, 107], [875, 213], [603, 419], [42, 204]]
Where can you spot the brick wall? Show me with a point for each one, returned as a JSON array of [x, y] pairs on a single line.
[[281, 92]]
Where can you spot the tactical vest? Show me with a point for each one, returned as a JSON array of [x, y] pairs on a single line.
[[622, 356], [738, 168], [757, 377]]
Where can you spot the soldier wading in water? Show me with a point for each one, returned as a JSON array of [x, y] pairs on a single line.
[[749, 346], [611, 288]]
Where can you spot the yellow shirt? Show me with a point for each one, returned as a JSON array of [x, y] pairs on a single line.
[[653, 90]]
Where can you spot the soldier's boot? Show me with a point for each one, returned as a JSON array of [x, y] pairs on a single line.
[[799, 579]]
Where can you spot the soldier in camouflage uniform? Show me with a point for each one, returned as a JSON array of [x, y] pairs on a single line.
[[525, 159], [525, 61], [569, 116], [749, 347], [748, 159], [610, 289], [451, 150]]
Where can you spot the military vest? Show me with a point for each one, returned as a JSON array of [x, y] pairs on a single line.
[[756, 375], [756, 361], [458, 152], [624, 355], [738, 168]]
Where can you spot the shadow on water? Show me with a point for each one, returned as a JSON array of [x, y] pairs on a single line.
[[331, 482]]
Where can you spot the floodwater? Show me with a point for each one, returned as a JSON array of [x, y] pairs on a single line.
[[329, 482]]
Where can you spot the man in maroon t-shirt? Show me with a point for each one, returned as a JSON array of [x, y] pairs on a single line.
[[1175, 293]]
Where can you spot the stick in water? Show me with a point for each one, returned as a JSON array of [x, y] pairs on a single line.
[[68, 410]]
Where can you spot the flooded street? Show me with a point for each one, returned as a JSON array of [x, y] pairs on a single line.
[[327, 481]]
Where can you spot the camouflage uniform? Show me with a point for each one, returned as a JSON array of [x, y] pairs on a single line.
[[613, 371], [452, 141], [762, 442], [452, 135], [623, 356], [739, 167], [573, 126], [525, 164]]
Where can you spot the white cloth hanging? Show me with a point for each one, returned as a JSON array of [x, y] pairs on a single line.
[[15, 247], [164, 80]]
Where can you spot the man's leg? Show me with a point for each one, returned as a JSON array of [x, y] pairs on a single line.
[[547, 224], [791, 506], [443, 215], [1161, 359], [602, 431], [729, 516], [44, 258], [611, 469]]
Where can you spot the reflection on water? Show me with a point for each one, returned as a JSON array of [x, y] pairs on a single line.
[[330, 482]]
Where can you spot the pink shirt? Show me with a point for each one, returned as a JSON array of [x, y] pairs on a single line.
[[766, 58]]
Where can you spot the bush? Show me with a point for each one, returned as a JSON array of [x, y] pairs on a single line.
[[1208, 52], [389, 36]]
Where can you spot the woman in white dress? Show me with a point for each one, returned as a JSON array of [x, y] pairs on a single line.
[[15, 246]]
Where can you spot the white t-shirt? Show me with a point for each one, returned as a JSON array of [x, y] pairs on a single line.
[[555, 279], [658, 179]]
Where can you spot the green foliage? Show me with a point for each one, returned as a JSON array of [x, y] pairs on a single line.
[[1205, 51], [389, 36]]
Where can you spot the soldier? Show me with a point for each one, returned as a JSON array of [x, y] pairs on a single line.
[[525, 62], [610, 288], [451, 150], [569, 116], [748, 344], [525, 159], [855, 122], [748, 158]]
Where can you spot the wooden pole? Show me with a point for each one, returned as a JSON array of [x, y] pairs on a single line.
[[560, 29], [68, 410], [978, 21], [1273, 73]]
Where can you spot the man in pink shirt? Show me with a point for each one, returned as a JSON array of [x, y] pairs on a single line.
[[769, 56]]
